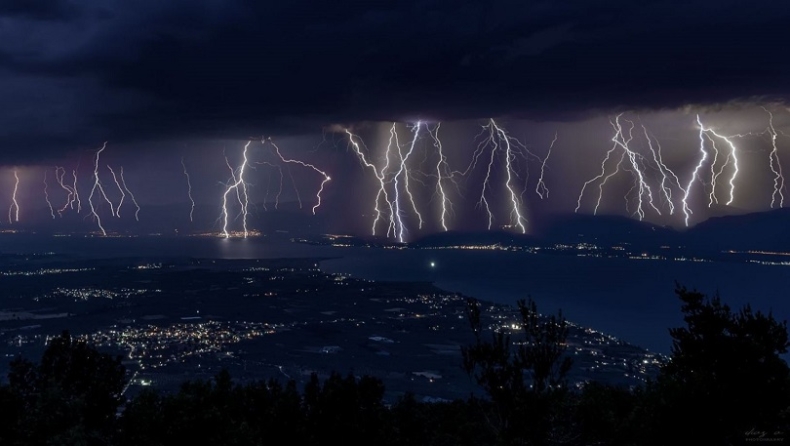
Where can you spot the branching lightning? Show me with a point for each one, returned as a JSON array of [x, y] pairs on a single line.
[[97, 185], [288, 160], [707, 133], [131, 195], [415, 180], [686, 209], [499, 141], [776, 166], [396, 184], [239, 186], [732, 156], [189, 189], [381, 176], [633, 157], [60, 173], [13, 210], [598, 177], [604, 181], [123, 194], [442, 174], [637, 167], [403, 170], [540, 188], [76, 192], [663, 170], [46, 195]]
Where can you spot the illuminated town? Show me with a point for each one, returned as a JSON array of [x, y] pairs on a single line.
[[176, 320]]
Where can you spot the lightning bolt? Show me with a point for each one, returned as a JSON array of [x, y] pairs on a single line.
[[76, 192], [596, 178], [713, 174], [289, 160], [498, 140], [123, 194], [606, 178], [401, 170], [189, 189], [622, 139], [131, 195], [733, 155], [13, 210], [776, 166], [97, 185], [540, 188], [664, 170], [441, 174], [60, 173], [509, 157], [237, 185], [405, 171], [380, 176], [686, 209], [46, 195], [633, 157], [483, 201]]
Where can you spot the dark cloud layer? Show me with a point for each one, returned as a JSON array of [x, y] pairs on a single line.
[[73, 73], [38, 10]]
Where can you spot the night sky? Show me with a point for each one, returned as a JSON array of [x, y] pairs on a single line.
[[164, 80]]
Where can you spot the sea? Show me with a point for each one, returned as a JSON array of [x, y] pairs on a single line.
[[633, 300]]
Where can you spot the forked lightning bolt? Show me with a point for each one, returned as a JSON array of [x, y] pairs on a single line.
[[776, 166], [663, 170], [60, 173], [13, 210], [380, 176], [606, 178], [598, 177], [238, 186], [732, 156], [704, 156], [395, 184], [189, 190], [97, 185], [131, 195], [540, 188], [289, 160], [46, 195], [76, 192], [622, 139], [644, 188], [499, 141], [707, 133], [403, 170], [123, 194], [443, 173]]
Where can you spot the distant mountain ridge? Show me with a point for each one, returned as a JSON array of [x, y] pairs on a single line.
[[474, 238], [769, 230]]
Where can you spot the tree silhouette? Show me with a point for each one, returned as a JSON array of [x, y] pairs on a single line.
[[70, 397], [345, 410], [725, 376], [523, 378], [215, 411]]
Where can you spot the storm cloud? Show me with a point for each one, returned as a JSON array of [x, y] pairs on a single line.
[[74, 73]]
